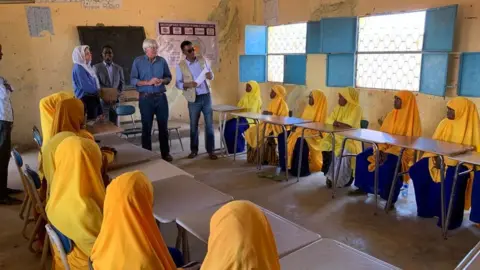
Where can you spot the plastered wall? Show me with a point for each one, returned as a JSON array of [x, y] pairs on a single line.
[[40, 66], [377, 103]]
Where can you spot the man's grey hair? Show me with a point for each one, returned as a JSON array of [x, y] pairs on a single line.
[[149, 43]]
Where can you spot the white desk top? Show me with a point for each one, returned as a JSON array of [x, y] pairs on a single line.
[[155, 170], [127, 153], [103, 128], [288, 236], [471, 261], [330, 254], [182, 195], [281, 120], [225, 108], [470, 158], [249, 115], [322, 127]]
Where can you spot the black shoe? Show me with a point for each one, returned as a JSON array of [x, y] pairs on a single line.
[[168, 158], [357, 192], [193, 155], [329, 183], [7, 200], [349, 182], [13, 191], [212, 156]]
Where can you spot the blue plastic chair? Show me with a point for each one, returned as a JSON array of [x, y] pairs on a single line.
[[364, 124], [128, 110], [37, 137], [26, 205]]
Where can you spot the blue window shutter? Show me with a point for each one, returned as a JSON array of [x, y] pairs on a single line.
[[439, 29], [253, 68], [255, 39], [340, 70], [339, 35], [433, 75], [314, 40], [469, 75], [295, 70]]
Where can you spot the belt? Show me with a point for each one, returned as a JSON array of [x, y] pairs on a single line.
[[151, 94]]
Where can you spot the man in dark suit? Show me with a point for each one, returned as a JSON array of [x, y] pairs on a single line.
[[110, 75]]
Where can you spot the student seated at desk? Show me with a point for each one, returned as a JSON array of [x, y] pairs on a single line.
[[403, 120], [76, 200], [312, 156], [278, 106], [461, 126], [240, 238], [348, 114], [250, 102], [129, 237]]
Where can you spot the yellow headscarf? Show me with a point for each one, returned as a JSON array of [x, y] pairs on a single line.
[[315, 113], [252, 101], [240, 238], [47, 111], [278, 106], [405, 122], [350, 114], [129, 229], [77, 192]]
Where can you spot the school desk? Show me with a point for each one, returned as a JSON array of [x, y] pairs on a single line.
[[103, 127], [155, 170], [471, 261], [289, 237], [223, 111], [324, 128], [331, 254]]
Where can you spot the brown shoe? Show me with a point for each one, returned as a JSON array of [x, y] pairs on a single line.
[[168, 158], [213, 156], [193, 155]]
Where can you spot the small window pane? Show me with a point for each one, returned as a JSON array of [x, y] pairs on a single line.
[[275, 68], [288, 38], [389, 71], [392, 33]]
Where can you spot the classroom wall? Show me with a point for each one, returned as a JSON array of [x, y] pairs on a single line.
[[377, 103], [37, 67]]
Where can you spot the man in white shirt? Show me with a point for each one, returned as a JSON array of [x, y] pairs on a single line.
[[6, 123]]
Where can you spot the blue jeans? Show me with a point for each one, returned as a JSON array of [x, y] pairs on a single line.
[[158, 106], [202, 104]]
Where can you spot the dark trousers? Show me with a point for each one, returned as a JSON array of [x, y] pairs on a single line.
[[5, 148], [110, 109], [154, 105], [202, 104], [93, 107]]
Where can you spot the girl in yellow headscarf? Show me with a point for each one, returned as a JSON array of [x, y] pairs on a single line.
[[129, 237], [240, 238], [461, 126], [47, 112], [278, 106], [76, 198], [347, 113], [312, 159], [403, 120], [250, 102]]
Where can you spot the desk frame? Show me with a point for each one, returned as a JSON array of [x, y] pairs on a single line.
[[222, 122]]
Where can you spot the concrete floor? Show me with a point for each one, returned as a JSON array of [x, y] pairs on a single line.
[[400, 238]]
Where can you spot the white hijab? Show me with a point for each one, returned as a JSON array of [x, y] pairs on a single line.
[[78, 57]]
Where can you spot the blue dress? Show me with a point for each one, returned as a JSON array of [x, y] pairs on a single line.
[[364, 179], [230, 134], [427, 193], [305, 167], [475, 210]]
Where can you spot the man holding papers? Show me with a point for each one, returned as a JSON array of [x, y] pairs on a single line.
[[193, 76]]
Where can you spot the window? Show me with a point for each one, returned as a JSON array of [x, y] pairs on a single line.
[[284, 39], [389, 51]]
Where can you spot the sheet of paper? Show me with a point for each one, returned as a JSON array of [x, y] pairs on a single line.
[[39, 19], [201, 78]]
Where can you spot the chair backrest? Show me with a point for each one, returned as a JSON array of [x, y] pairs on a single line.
[[37, 137], [19, 162], [33, 183], [364, 124], [125, 110], [57, 243]]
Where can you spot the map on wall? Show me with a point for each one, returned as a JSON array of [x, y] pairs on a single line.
[[39, 19], [172, 34]]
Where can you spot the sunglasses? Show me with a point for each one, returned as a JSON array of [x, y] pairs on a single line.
[[191, 50]]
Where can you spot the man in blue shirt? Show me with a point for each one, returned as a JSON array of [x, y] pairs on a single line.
[[190, 71], [150, 74]]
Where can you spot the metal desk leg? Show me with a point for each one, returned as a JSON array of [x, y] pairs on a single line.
[[261, 148], [302, 140], [258, 143], [223, 134], [452, 197], [377, 157], [394, 181], [236, 140], [286, 151], [337, 170], [442, 195], [333, 165]]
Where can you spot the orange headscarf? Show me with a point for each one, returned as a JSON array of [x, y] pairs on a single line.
[[240, 238], [70, 116], [47, 107], [129, 228]]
